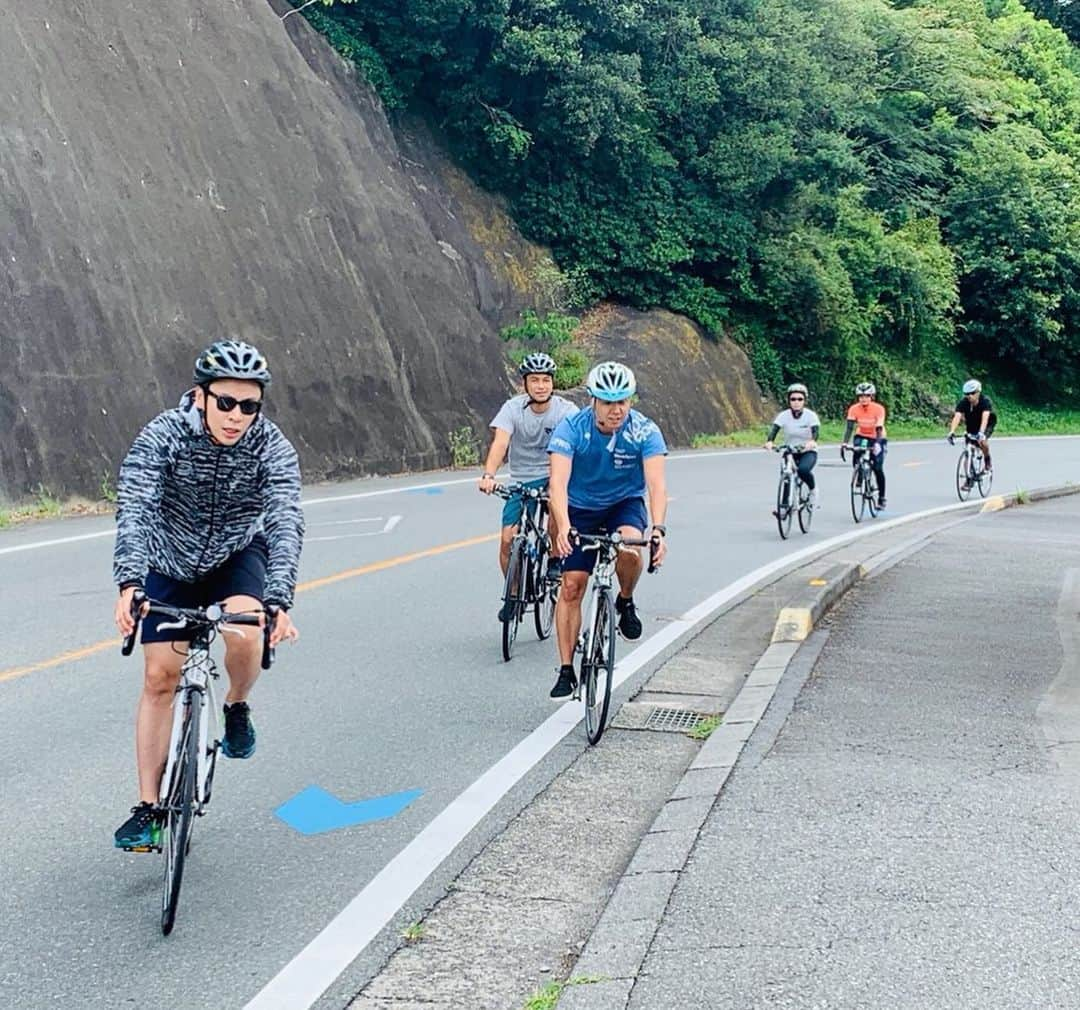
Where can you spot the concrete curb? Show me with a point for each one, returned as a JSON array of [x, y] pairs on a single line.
[[616, 950]]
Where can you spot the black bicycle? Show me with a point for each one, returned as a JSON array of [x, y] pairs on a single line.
[[971, 472], [529, 582], [596, 642], [188, 779], [864, 489], [792, 495]]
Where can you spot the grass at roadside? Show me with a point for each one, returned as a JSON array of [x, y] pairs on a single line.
[[45, 506], [1011, 421], [548, 997]]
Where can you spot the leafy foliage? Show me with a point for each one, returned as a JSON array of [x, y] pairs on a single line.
[[850, 187]]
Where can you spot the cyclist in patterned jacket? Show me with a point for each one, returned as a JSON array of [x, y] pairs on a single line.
[[208, 511]]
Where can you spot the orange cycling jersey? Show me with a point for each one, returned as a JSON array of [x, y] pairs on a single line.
[[868, 417]]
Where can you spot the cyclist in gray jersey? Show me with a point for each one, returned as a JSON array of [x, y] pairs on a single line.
[[522, 428]]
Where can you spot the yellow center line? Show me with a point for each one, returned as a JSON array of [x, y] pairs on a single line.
[[72, 655]]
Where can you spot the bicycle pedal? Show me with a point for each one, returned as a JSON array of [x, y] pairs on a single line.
[[143, 848]]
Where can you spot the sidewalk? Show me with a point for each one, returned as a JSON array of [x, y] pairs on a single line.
[[900, 829]]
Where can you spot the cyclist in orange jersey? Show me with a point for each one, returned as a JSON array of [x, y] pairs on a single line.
[[866, 418]]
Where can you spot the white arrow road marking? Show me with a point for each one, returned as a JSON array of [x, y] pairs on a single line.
[[388, 525]]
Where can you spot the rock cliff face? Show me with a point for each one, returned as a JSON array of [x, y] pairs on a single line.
[[173, 173]]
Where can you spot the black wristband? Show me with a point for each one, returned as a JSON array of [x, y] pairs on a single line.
[[130, 584], [661, 528]]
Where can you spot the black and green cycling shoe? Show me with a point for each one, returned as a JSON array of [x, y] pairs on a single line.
[[141, 832]]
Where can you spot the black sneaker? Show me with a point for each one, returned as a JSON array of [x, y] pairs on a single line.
[[141, 831], [629, 623], [239, 739], [564, 686], [506, 611], [881, 505]]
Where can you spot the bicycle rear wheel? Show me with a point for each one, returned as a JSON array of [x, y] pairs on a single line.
[[858, 501], [513, 596], [963, 476], [784, 506], [179, 813], [598, 668], [806, 510]]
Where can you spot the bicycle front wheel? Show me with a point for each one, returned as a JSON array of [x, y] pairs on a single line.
[[513, 596], [179, 814], [806, 510], [858, 500], [983, 477], [784, 506], [870, 492], [963, 476], [598, 668], [547, 595]]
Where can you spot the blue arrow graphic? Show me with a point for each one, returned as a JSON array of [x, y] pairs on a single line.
[[313, 810]]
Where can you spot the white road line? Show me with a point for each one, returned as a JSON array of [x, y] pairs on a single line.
[[308, 975], [59, 540], [329, 499]]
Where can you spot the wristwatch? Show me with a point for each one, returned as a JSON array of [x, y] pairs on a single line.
[[660, 528]]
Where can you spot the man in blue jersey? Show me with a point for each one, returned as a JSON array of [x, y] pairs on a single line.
[[605, 460]]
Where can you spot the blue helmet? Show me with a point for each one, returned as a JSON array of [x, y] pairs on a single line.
[[611, 381]]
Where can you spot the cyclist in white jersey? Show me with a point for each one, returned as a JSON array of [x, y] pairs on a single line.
[[801, 428]]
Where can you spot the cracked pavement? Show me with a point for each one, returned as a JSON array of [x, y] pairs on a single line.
[[906, 838]]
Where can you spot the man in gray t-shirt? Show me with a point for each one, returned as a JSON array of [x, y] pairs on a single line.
[[523, 426]]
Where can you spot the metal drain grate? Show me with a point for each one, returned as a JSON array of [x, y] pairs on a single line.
[[673, 720]]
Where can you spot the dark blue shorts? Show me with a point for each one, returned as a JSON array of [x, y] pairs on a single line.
[[244, 574], [628, 512]]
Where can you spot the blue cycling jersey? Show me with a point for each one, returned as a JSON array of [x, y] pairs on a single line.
[[606, 468]]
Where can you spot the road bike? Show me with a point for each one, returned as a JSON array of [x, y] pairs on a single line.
[[529, 582], [864, 489], [971, 472], [596, 642], [792, 495], [188, 779]]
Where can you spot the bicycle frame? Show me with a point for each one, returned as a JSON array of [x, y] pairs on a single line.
[[196, 687]]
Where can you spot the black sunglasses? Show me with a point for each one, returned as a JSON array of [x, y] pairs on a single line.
[[796, 397], [228, 403]]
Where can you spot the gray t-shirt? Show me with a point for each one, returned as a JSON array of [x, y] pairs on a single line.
[[797, 430], [529, 434]]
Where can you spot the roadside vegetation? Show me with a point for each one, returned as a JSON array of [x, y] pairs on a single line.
[[1013, 419], [849, 188]]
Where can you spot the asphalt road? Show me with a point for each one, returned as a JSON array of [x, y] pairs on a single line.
[[902, 832], [397, 684]]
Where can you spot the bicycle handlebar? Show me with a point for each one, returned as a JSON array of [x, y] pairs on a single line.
[[595, 541], [213, 616], [519, 491]]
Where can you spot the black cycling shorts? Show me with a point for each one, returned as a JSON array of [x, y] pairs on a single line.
[[244, 574]]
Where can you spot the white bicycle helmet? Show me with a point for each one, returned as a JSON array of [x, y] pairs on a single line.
[[972, 386], [611, 381], [537, 363], [798, 387], [866, 389]]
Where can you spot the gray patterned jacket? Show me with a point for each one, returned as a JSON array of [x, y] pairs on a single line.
[[186, 505]]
